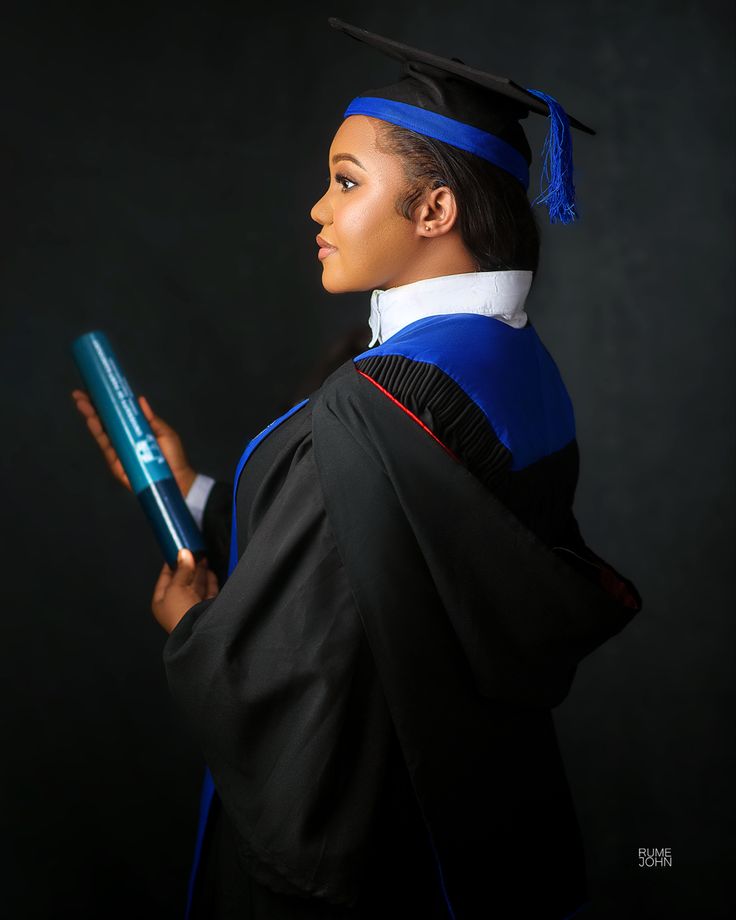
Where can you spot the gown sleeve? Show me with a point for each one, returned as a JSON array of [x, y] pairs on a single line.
[[276, 681]]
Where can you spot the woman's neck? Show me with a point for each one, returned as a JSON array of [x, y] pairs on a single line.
[[444, 256]]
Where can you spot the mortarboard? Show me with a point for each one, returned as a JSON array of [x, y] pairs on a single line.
[[476, 111]]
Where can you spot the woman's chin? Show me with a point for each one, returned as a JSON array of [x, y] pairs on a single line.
[[334, 285], [335, 282], [330, 288]]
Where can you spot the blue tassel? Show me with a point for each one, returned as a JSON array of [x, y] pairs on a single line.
[[557, 169]]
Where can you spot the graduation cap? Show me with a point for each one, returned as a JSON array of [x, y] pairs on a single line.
[[476, 111]]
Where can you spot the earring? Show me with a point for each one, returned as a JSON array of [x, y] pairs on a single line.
[[426, 226]]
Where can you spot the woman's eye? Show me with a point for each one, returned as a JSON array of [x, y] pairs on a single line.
[[343, 181]]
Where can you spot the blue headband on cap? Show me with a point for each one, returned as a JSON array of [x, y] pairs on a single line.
[[557, 169]]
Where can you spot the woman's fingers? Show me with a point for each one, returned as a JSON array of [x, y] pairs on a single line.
[[197, 577], [113, 461], [185, 568], [158, 425], [162, 585], [171, 447], [146, 406], [176, 592], [120, 474], [92, 418], [105, 444], [168, 440], [84, 403], [85, 407]]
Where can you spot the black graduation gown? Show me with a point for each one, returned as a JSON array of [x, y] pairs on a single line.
[[372, 687]]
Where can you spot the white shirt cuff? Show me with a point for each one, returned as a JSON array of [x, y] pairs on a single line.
[[198, 495]]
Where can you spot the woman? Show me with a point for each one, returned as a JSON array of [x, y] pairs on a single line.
[[408, 592]]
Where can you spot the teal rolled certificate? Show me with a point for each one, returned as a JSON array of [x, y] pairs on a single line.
[[149, 474]]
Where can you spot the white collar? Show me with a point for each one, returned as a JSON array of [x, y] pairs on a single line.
[[500, 294]]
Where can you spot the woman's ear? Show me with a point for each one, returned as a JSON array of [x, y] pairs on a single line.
[[437, 213]]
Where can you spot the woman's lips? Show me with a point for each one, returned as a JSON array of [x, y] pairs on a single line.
[[325, 248]]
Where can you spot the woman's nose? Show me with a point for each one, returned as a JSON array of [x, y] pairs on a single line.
[[320, 213]]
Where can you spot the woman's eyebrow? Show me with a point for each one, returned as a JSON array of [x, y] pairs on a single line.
[[347, 156]]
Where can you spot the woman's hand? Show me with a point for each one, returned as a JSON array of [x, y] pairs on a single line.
[[168, 440], [176, 592]]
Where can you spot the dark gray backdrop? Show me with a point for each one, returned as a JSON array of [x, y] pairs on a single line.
[[158, 164]]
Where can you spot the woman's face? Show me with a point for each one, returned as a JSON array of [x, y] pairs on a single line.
[[366, 244]]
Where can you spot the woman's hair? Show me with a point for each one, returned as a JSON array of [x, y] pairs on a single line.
[[495, 218]]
